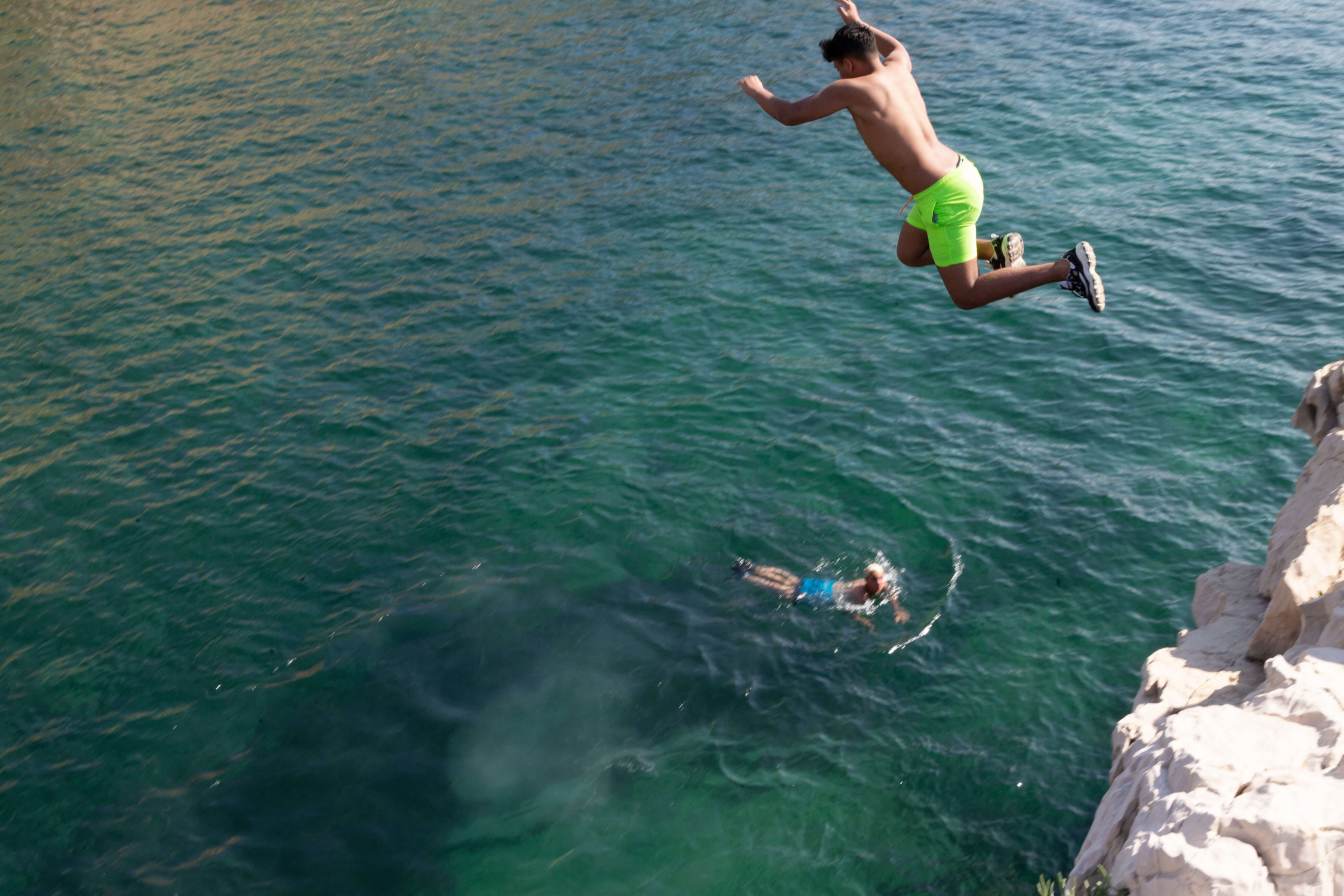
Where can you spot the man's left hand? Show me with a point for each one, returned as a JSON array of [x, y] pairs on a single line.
[[751, 85], [849, 11]]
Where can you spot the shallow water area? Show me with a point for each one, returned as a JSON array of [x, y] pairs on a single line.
[[387, 389]]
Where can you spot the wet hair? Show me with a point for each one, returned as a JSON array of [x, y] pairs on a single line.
[[874, 570], [849, 42]]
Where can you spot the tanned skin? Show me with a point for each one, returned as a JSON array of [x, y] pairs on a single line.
[[882, 97], [856, 592]]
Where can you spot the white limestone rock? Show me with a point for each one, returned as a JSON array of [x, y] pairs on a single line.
[[1232, 588], [1182, 812], [1209, 665], [1319, 412], [1176, 848], [1207, 804], [1333, 633], [1228, 775], [1295, 822], [1304, 568], [1307, 687], [1221, 748]]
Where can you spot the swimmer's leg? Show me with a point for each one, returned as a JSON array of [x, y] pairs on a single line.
[[774, 578], [971, 289], [773, 573]]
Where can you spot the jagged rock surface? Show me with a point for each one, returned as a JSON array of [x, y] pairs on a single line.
[[1228, 775], [1319, 413], [1305, 567]]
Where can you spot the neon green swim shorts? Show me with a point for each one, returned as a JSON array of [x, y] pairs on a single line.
[[947, 212]]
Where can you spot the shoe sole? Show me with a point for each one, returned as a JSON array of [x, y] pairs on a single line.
[[1096, 291], [1009, 251]]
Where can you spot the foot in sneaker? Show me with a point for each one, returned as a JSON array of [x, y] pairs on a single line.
[[1008, 251], [741, 567], [1083, 278]]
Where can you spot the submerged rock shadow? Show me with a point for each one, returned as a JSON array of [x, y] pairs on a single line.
[[418, 733]]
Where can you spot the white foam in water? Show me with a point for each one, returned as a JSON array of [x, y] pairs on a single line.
[[957, 567], [834, 567]]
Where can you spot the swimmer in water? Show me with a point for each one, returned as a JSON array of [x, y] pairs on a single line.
[[853, 594], [878, 89]]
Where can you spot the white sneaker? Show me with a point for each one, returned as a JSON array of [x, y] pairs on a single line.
[[1083, 277], [1008, 250]]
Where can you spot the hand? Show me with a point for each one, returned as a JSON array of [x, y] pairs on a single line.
[[751, 85], [900, 614], [849, 11]]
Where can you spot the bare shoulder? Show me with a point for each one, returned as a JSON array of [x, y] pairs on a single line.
[[849, 88], [854, 593], [865, 91]]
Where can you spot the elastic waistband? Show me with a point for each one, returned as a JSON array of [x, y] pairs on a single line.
[[968, 164]]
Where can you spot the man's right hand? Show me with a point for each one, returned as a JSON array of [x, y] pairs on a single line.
[[849, 11]]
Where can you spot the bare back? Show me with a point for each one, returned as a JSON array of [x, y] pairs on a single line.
[[890, 116]]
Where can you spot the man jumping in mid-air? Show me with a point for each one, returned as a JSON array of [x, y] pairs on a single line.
[[877, 88]]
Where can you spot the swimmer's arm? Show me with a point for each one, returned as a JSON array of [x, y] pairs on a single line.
[[827, 101]]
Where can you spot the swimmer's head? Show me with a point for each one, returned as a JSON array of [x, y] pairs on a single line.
[[848, 48], [874, 578]]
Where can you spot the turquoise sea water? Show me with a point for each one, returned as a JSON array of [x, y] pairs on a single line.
[[387, 388]]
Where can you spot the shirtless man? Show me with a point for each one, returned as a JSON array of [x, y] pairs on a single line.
[[853, 594], [877, 88]]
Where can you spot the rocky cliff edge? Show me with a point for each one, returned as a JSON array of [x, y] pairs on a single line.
[[1228, 775]]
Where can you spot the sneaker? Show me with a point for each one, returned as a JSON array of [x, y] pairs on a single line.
[[1083, 277], [1008, 250], [742, 567]]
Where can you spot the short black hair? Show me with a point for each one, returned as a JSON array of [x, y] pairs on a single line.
[[855, 41]]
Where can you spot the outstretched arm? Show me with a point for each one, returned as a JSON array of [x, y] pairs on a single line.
[[892, 49], [857, 594], [827, 101]]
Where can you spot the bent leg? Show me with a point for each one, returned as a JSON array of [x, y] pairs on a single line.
[[912, 247], [971, 289]]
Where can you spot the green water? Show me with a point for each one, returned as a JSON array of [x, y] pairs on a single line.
[[388, 387]]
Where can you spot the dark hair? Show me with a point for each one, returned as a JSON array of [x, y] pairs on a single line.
[[849, 41]]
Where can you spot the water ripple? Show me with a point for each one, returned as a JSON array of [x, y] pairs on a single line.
[[388, 388]]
